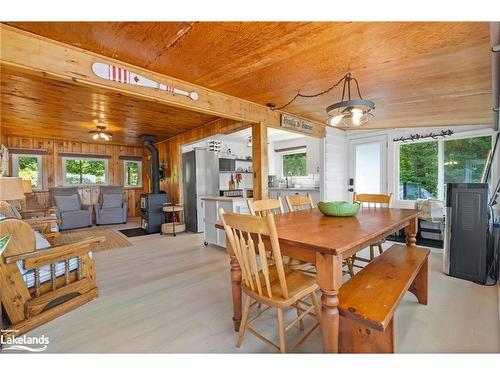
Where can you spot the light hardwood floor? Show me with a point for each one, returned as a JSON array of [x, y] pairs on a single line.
[[172, 295]]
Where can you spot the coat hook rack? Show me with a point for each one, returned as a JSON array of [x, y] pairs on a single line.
[[416, 137]]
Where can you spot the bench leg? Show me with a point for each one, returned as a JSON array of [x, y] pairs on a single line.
[[419, 285], [355, 337]]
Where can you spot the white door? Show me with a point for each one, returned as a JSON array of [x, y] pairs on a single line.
[[368, 165]]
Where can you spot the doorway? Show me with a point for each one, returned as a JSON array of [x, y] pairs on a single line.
[[368, 165]]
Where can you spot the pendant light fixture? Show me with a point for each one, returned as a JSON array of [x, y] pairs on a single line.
[[350, 112], [100, 133]]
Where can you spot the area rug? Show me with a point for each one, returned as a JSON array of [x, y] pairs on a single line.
[[134, 232], [114, 239]]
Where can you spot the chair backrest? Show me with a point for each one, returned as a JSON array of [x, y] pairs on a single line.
[[265, 206], [373, 200], [65, 191], [108, 190], [299, 202], [244, 233], [22, 237]]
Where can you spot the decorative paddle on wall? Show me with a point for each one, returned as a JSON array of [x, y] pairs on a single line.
[[114, 73]]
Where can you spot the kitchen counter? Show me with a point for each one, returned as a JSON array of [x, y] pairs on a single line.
[[211, 206]]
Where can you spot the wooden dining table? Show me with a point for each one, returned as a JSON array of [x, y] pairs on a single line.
[[326, 241]]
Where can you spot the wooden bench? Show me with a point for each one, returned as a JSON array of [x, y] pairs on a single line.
[[369, 299]]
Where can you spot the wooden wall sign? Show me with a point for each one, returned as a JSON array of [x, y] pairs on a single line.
[[297, 124]]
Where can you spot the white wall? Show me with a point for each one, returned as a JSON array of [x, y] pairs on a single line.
[[240, 150], [335, 165], [271, 159]]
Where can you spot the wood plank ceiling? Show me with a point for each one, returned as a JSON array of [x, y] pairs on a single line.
[[418, 74], [36, 106]]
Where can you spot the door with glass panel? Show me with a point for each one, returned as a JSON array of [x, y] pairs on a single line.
[[368, 165]]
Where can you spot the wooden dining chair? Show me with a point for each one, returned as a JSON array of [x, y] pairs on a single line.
[[371, 201], [273, 285], [299, 202], [262, 208], [265, 206]]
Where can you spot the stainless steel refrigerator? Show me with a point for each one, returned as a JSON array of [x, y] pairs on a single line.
[[200, 175]]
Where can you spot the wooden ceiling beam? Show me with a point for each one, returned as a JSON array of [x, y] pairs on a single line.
[[60, 61]]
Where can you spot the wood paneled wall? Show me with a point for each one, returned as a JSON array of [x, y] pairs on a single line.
[[170, 153], [52, 168]]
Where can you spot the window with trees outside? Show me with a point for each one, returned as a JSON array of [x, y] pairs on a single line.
[[28, 167], [295, 164], [84, 171], [132, 174], [426, 167]]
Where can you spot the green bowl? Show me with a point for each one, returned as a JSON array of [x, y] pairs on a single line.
[[338, 208]]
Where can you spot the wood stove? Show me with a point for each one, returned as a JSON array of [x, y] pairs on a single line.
[[152, 204]]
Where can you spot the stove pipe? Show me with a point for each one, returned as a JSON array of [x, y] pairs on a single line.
[[155, 162]]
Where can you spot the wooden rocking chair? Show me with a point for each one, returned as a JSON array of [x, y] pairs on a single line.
[[37, 286], [42, 224]]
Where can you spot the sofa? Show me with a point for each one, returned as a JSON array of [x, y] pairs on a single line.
[[70, 210], [112, 207]]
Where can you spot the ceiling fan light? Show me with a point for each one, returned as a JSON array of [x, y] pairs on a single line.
[[99, 133]]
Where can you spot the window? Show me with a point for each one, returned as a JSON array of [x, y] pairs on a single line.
[[85, 171], [295, 163], [28, 167], [132, 175], [418, 170], [426, 167], [464, 159]]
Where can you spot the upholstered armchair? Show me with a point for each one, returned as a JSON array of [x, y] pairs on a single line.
[[70, 210], [112, 207]]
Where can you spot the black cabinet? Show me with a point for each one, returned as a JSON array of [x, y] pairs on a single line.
[[467, 216]]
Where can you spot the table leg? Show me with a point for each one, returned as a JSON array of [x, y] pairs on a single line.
[[235, 286], [329, 278], [411, 232]]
